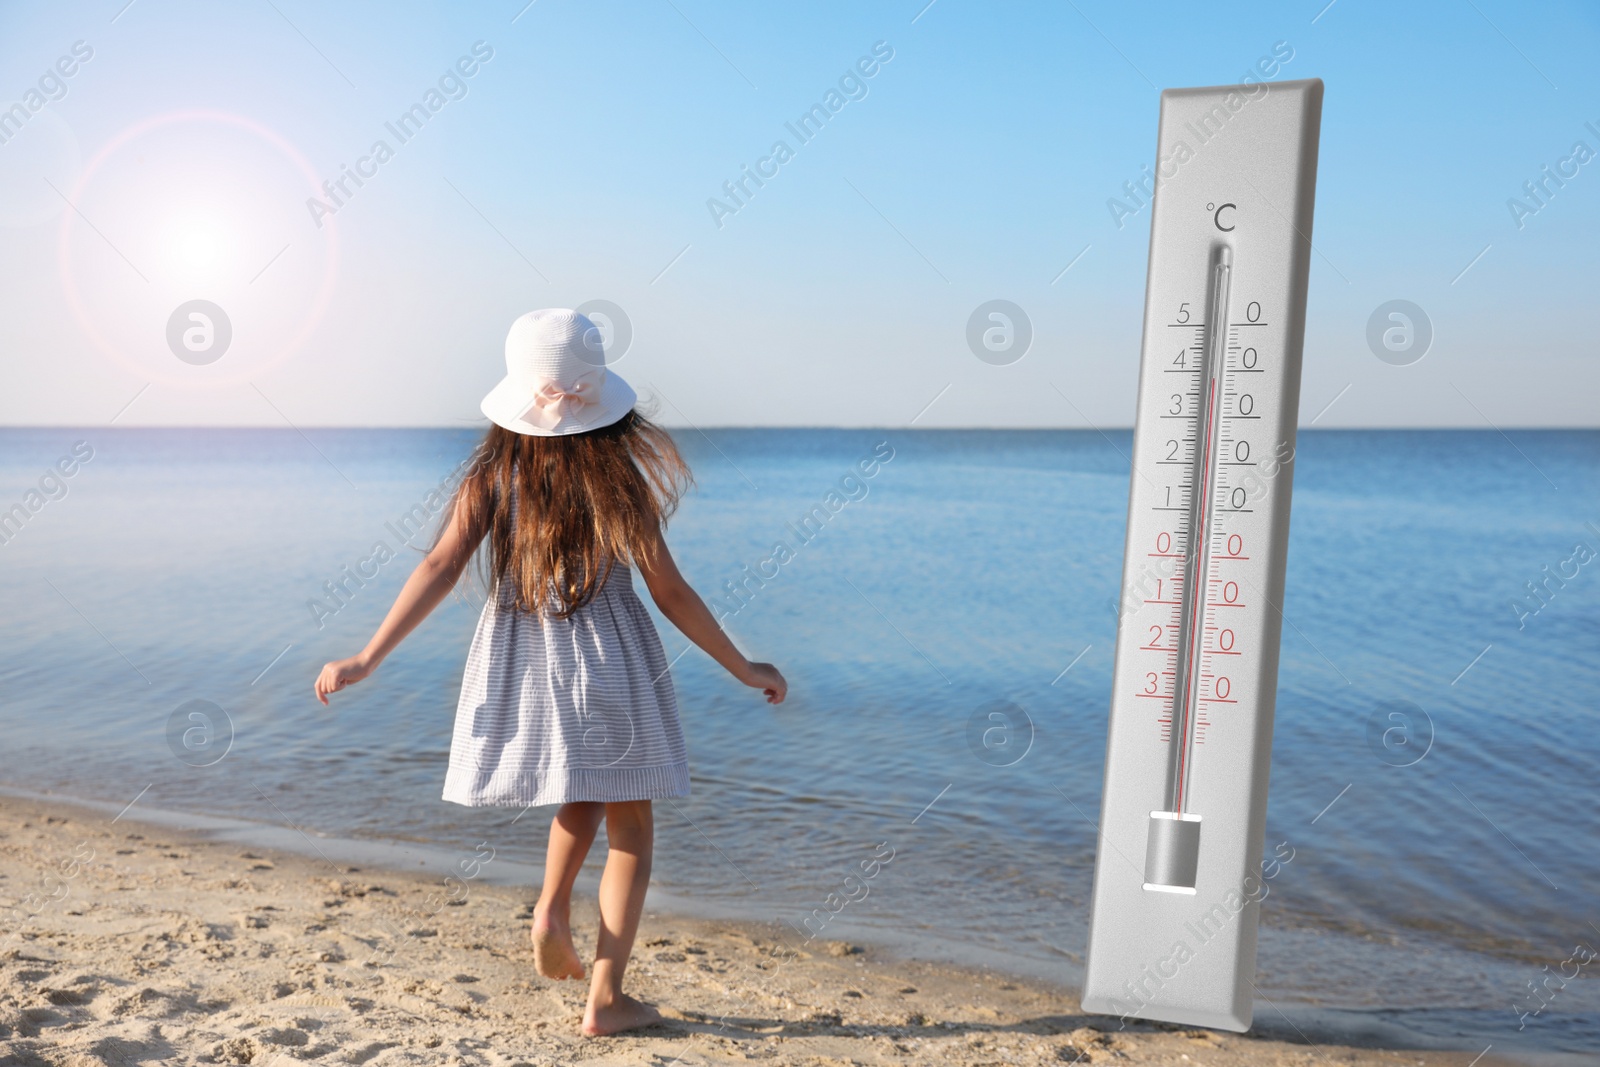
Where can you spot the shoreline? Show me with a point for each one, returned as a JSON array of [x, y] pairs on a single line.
[[158, 941]]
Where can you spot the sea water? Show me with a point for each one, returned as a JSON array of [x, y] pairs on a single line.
[[944, 607]]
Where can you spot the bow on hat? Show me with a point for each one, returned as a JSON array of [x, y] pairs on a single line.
[[555, 402]]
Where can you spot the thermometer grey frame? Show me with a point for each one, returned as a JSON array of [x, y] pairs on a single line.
[[1178, 883]]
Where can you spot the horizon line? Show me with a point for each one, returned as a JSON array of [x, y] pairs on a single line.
[[698, 428]]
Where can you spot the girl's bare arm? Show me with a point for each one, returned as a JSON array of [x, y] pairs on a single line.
[[429, 584], [684, 609]]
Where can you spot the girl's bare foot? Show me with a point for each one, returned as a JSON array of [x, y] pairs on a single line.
[[624, 1013], [554, 955]]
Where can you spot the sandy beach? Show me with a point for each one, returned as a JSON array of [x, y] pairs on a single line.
[[126, 943]]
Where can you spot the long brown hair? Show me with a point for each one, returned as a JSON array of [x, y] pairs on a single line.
[[583, 502]]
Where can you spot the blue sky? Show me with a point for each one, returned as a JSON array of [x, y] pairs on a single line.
[[578, 160]]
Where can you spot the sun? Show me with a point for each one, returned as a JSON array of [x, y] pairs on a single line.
[[197, 244]]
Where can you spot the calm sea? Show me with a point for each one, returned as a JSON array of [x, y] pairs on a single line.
[[1438, 869]]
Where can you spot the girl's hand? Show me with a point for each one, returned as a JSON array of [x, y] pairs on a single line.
[[340, 673], [765, 676]]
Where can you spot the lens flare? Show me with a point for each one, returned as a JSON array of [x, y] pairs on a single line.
[[196, 206]]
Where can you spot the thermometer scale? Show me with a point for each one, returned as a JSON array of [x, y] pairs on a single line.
[[1178, 880]]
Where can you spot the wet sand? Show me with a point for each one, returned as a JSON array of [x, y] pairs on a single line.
[[124, 943]]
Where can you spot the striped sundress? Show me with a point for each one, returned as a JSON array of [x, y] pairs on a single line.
[[558, 710]]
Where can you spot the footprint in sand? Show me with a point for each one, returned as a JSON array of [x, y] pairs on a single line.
[[288, 1036], [362, 1055]]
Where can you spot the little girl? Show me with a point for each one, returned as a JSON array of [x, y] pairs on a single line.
[[566, 697]]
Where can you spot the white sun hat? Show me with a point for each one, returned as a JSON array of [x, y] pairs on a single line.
[[556, 379]]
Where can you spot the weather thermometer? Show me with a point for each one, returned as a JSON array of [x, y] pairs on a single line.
[[1178, 879]]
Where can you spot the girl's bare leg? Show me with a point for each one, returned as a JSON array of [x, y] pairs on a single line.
[[571, 833], [630, 833]]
